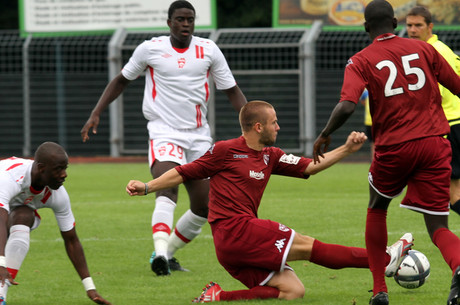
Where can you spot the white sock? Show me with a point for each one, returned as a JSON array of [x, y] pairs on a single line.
[[187, 228], [162, 221], [16, 250]]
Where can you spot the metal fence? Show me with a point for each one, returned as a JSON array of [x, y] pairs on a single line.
[[48, 87]]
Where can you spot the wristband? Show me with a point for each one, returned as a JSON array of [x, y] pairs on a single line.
[[3, 261], [146, 188], [88, 283]]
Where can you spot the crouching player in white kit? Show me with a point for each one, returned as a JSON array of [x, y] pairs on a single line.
[[176, 98], [28, 185]]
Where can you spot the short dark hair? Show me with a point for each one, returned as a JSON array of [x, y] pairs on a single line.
[[178, 5], [253, 112], [421, 11], [378, 13]]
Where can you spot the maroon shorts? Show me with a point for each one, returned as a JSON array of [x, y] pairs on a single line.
[[423, 165], [252, 249]]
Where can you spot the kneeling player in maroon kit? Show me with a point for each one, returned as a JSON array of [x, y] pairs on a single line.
[[253, 250]]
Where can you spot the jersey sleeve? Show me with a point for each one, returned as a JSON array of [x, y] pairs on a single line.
[[62, 210], [445, 74], [206, 166], [8, 190], [137, 63], [220, 70], [353, 82], [290, 165]]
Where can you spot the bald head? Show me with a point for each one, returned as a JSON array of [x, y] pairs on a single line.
[[380, 17], [49, 152]]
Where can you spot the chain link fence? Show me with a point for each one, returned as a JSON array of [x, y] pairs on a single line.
[[48, 86]]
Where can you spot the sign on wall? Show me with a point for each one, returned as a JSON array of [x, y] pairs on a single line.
[[351, 12], [56, 17]]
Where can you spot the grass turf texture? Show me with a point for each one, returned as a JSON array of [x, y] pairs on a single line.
[[115, 231]]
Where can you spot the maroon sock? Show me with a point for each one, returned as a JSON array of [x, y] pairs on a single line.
[[258, 292], [337, 256], [449, 245], [376, 243]]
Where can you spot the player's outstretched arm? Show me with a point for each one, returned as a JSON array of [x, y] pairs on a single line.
[[354, 142], [169, 179], [111, 92], [339, 116], [77, 257]]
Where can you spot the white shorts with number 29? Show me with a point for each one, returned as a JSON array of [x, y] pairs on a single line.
[[180, 146]]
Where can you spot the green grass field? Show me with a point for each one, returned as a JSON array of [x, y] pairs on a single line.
[[115, 231]]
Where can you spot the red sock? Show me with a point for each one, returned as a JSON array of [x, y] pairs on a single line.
[[376, 243], [337, 256], [449, 245], [258, 292]]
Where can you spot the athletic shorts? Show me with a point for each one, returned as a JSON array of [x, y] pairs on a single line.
[[252, 249], [423, 165], [454, 138], [180, 146]]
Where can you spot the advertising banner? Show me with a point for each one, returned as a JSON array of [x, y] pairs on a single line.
[[351, 12], [56, 17]]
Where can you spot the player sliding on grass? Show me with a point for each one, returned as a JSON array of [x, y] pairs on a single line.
[[28, 185], [253, 250], [408, 126]]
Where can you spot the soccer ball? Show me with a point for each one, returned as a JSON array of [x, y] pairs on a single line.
[[413, 271]]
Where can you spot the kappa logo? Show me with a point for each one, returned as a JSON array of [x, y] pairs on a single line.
[[256, 175], [211, 149], [181, 62], [280, 244]]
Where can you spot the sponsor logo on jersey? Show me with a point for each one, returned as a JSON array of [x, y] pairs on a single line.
[[290, 159], [181, 62], [280, 244], [266, 159], [256, 175], [166, 55], [283, 228], [236, 156]]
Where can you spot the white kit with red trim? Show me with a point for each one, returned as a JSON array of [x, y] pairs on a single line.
[[177, 80]]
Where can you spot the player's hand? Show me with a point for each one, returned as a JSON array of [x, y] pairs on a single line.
[[355, 141], [5, 275], [320, 147], [135, 187], [92, 122], [96, 298]]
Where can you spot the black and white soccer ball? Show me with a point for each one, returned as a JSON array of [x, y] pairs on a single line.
[[413, 271]]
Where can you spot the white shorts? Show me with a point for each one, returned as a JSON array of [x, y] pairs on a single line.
[[180, 146]]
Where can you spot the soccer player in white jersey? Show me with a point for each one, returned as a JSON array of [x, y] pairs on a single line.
[[26, 186], [177, 70]]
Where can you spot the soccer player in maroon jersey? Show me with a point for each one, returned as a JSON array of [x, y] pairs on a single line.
[[408, 126], [253, 250]]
